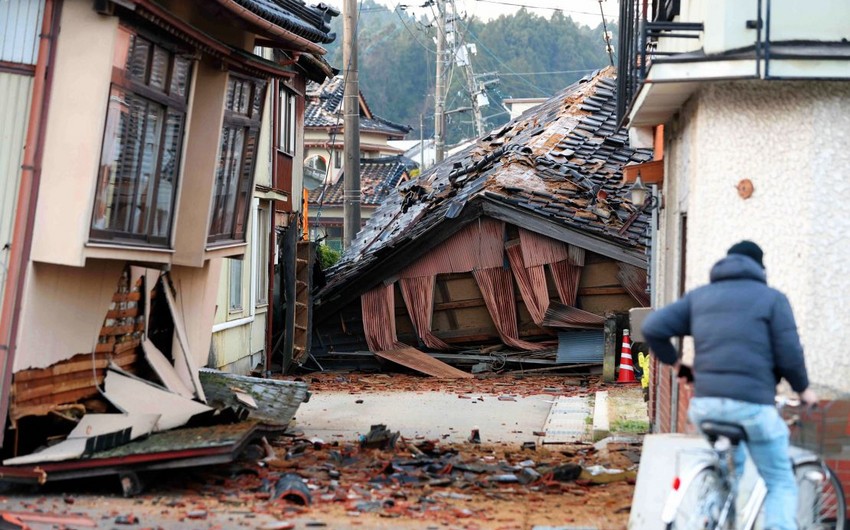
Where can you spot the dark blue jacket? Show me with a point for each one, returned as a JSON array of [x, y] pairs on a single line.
[[744, 333]]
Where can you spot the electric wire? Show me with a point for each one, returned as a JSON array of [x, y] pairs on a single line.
[[502, 63]]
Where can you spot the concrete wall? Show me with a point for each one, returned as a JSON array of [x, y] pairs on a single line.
[[791, 140]]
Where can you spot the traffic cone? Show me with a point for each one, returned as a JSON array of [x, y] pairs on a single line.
[[627, 367]]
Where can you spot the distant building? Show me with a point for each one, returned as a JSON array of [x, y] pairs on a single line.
[[382, 163], [516, 106], [324, 132], [379, 177]]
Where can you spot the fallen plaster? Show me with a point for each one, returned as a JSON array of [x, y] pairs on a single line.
[[97, 424], [136, 396], [165, 371]]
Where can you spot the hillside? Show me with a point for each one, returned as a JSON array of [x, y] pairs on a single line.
[[526, 54]]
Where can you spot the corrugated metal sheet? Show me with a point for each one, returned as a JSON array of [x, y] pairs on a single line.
[[634, 280], [477, 246], [581, 346], [541, 250], [422, 362], [559, 315], [20, 22], [15, 91]]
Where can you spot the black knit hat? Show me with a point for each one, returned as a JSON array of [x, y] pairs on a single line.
[[748, 248]]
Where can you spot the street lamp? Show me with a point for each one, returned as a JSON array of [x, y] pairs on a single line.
[[642, 196]]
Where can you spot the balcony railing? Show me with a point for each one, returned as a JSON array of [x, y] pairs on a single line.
[[761, 31], [638, 45]]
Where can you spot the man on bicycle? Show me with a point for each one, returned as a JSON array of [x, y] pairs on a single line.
[[745, 340]]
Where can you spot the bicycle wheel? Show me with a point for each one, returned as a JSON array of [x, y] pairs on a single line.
[[820, 505], [702, 502]]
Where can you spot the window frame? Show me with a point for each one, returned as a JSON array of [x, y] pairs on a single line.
[[237, 181], [287, 124], [132, 93], [261, 269], [235, 302]]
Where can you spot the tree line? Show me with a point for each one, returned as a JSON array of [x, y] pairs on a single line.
[[522, 55]]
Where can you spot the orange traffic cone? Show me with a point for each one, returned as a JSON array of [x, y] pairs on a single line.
[[627, 367]]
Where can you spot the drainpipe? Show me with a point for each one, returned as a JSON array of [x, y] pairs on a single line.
[[19, 253]]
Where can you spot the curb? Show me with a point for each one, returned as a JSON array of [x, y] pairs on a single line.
[[601, 421]]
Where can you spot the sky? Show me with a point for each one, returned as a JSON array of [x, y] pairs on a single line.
[[582, 11]]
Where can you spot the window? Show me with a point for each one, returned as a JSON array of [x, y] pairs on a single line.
[[316, 162], [235, 302], [234, 175], [262, 266], [142, 142], [286, 121], [337, 158]]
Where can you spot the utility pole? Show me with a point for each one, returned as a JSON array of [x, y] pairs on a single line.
[[440, 90], [351, 121], [462, 56], [421, 143]]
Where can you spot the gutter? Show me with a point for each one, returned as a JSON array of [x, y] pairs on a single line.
[[22, 233], [270, 28]]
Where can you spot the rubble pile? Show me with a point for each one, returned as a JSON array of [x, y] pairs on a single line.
[[516, 385], [384, 476]]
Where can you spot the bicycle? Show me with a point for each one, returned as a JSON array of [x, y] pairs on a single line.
[[707, 497]]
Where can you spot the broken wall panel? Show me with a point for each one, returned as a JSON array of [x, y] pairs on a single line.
[[196, 290], [136, 396], [37, 392], [72, 301]]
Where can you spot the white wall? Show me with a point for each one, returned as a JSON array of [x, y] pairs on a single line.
[[791, 140]]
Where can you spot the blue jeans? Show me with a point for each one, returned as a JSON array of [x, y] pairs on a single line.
[[767, 443]]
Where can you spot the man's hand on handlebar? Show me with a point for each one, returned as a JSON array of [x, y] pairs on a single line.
[[809, 397]]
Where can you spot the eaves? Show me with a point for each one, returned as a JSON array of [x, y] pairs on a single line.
[[559, 231]]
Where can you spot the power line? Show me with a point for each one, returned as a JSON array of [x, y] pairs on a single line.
[[606, 36], [429, 50], [551, 72], [505, 65], [529, 6]]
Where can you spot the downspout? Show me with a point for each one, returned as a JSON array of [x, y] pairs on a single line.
[[19, 253]]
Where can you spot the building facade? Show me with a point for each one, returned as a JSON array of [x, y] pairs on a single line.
[[750, 114], [136, 175]]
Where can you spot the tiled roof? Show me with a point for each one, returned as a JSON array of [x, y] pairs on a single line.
[[324, 109], [378, 178], [559, 164], [310, 22]]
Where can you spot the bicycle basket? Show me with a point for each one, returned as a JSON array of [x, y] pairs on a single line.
[[822, 429]]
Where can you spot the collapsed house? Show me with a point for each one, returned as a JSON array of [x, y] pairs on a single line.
[[526, 240], [136, 181]]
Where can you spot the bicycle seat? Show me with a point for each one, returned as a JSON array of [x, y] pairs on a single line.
[[715, 429]]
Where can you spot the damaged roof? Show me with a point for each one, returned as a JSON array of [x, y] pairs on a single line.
[[324, 109], [378, 178], [310, 22], [555, 170]]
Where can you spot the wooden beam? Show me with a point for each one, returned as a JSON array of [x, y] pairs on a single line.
[[450, 314], [594, 291], [650, 173], [558, 231]]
